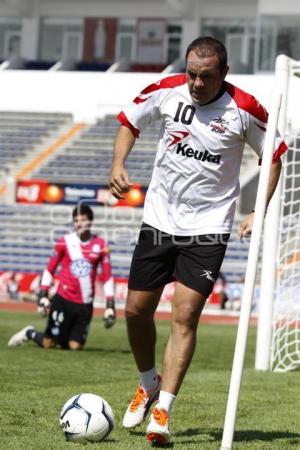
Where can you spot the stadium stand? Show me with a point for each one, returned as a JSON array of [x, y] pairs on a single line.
[[138, 67], [38, 65], [92, 66], [89, 156], [21, 133]]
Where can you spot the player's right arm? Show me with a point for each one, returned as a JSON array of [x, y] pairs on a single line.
[[47, 277], [143, 110], [119, 181]]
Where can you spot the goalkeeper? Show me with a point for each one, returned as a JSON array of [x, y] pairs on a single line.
[[70, 311]]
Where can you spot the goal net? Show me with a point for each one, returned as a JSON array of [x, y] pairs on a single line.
[[278, 334], [285, 350]]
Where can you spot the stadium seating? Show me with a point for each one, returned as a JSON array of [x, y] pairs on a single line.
[[152, 68], [93, 66], [21, 132], [88, 158], [38, 65]]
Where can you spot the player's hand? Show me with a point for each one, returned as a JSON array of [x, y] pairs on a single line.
[[109, 316], [43, 304], [246, 226], [119, 182]]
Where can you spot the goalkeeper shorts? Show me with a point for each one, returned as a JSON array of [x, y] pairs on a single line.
[[68, 321]]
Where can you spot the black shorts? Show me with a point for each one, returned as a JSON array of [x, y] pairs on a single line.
[[68, 321], [160, 258]]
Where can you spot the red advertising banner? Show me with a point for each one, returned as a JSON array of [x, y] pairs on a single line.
[[41, 191], [25, 286]]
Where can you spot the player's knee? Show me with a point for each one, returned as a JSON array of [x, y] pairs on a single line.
[[138, 315], [141, 305], [138, 311], [48, 343], [131, 313], [74, 345], [187, 318]]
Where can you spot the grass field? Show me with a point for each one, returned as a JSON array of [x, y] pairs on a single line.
[[36, 383]]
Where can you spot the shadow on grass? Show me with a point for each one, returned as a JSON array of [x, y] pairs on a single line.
[[105, 350], [153, 445], [243, 435]]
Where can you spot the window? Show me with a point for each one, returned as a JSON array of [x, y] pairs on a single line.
[[172, 42], [10, 37], [126, 40], [150, 41], [238, 35], [61, 38], [280, 34]]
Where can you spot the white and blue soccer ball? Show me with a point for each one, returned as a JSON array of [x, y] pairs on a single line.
[[86, 418]]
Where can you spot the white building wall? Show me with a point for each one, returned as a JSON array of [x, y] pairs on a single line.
[[153, 8], [92, 95], [286, 8], [146, 8], [229, 9]]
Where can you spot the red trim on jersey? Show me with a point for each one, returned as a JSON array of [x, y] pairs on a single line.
[[138, 100], [169, 82], [276, 155], [281, 149], [124, 121], [247, 102], [165, 83]]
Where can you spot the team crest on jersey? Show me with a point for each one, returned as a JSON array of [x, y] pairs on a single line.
[[96, 248], [218, 125], [80, 268]]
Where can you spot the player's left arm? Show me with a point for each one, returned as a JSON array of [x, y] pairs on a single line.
[[247, 225], [107, 280], [255, 125]]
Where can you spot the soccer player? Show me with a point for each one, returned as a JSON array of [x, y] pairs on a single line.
[[188, 212], [70, 311]]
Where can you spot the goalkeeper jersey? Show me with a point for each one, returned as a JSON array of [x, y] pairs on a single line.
[[195, 179], [79, 262]]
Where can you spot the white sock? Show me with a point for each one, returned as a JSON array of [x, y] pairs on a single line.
[[149, 379], [165, 401]]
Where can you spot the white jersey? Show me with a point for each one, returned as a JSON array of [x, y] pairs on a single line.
[[195, 180]]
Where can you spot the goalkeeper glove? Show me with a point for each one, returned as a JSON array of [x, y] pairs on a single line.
[[109, 316], [43, 304]]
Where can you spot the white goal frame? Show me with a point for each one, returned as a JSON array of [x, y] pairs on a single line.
[[242, 333], [285, 69]]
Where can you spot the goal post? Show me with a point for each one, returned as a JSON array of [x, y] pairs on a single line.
[[278, 333], [242, 333]]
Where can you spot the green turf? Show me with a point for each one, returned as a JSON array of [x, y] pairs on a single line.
[[35, 384]]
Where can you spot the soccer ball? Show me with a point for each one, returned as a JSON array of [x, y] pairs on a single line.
[[86, 418]]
